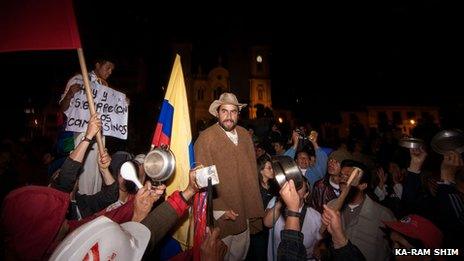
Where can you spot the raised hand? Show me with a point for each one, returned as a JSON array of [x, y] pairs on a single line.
[[158, 191], [75, 88], [331, 219], [93, 127], [313, 137], [290, 196], [212, 248], [382, 177], [452, 162], [104, 160], [417, 159], [397, 173], [143, 202], [192, 187]]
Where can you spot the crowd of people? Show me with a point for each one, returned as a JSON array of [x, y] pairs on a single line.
[[402, 200]]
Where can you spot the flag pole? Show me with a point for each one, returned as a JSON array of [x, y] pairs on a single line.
[[85, 77]]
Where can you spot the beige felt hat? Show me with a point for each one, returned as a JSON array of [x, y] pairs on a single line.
[[225, 98]]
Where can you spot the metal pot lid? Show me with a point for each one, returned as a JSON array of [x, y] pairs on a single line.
[[411, 143], [285, 169], [159, 164], [448, 140]]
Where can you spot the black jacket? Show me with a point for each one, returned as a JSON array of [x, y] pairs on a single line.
[[87, 204]]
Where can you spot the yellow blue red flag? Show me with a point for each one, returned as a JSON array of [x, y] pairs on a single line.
[[173, 129]]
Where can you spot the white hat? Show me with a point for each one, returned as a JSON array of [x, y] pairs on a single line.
[[225, 98], [103, 239]]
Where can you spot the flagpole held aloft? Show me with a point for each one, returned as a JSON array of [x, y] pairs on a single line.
[[88, 92]]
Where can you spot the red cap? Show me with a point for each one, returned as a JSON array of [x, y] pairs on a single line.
[[31, 218], [417, 227]]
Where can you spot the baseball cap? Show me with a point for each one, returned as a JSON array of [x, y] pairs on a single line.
[[417, 227], [31, 218]]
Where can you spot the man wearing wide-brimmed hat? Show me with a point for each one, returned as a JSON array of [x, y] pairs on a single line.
[[238, 205]]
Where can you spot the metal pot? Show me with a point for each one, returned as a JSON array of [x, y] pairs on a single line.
[[448, 140], [160, 164], [411, 143], [286, 169]]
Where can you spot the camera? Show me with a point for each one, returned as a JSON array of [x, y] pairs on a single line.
[[202, 175], [303, 140], [301, 134]]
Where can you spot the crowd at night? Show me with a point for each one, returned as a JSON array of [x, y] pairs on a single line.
[[334, 132]]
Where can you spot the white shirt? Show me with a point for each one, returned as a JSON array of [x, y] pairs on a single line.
[[233, 136], [310, 230], [336, 188]]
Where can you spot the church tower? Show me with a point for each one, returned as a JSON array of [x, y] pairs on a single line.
[[260, 83], [206, 89]]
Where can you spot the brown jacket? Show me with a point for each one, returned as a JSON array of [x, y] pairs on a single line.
[[238, 188]]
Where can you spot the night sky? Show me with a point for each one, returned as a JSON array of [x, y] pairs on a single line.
[[331, 56]]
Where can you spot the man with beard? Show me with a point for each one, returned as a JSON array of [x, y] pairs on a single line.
[[362, 217], [237, 204]]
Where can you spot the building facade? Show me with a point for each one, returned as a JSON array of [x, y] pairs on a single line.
[[404, 118], [204, 88]]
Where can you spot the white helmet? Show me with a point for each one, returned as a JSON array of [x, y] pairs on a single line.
[[103, 239]]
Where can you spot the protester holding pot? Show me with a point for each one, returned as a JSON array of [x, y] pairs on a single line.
[[48, 206], [292, 247], [310, 220], [450, 200]]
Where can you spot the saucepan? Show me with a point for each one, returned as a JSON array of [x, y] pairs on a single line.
[[286, 169], [448, 140], [160, 164], [411, 143]]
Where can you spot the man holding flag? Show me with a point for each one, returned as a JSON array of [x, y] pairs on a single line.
[[238, 205]]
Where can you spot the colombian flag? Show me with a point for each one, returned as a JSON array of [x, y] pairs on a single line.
[[173, 129]]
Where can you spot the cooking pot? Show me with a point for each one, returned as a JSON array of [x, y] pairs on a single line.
[[411, 143], [448, 140], [286, 169], [159, 164]]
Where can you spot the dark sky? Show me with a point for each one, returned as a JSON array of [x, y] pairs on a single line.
[[329, 55], [394, 49]]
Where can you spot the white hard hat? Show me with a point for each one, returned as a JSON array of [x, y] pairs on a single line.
[[103, 239]]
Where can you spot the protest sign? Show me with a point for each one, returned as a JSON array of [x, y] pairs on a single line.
[[110, 104]]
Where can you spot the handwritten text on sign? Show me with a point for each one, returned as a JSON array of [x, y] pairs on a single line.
[[111, 105]]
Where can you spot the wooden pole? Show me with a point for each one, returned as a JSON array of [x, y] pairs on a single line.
[[85, 77], [337, 204]]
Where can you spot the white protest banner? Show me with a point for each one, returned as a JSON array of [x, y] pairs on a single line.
[[110, 104]]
